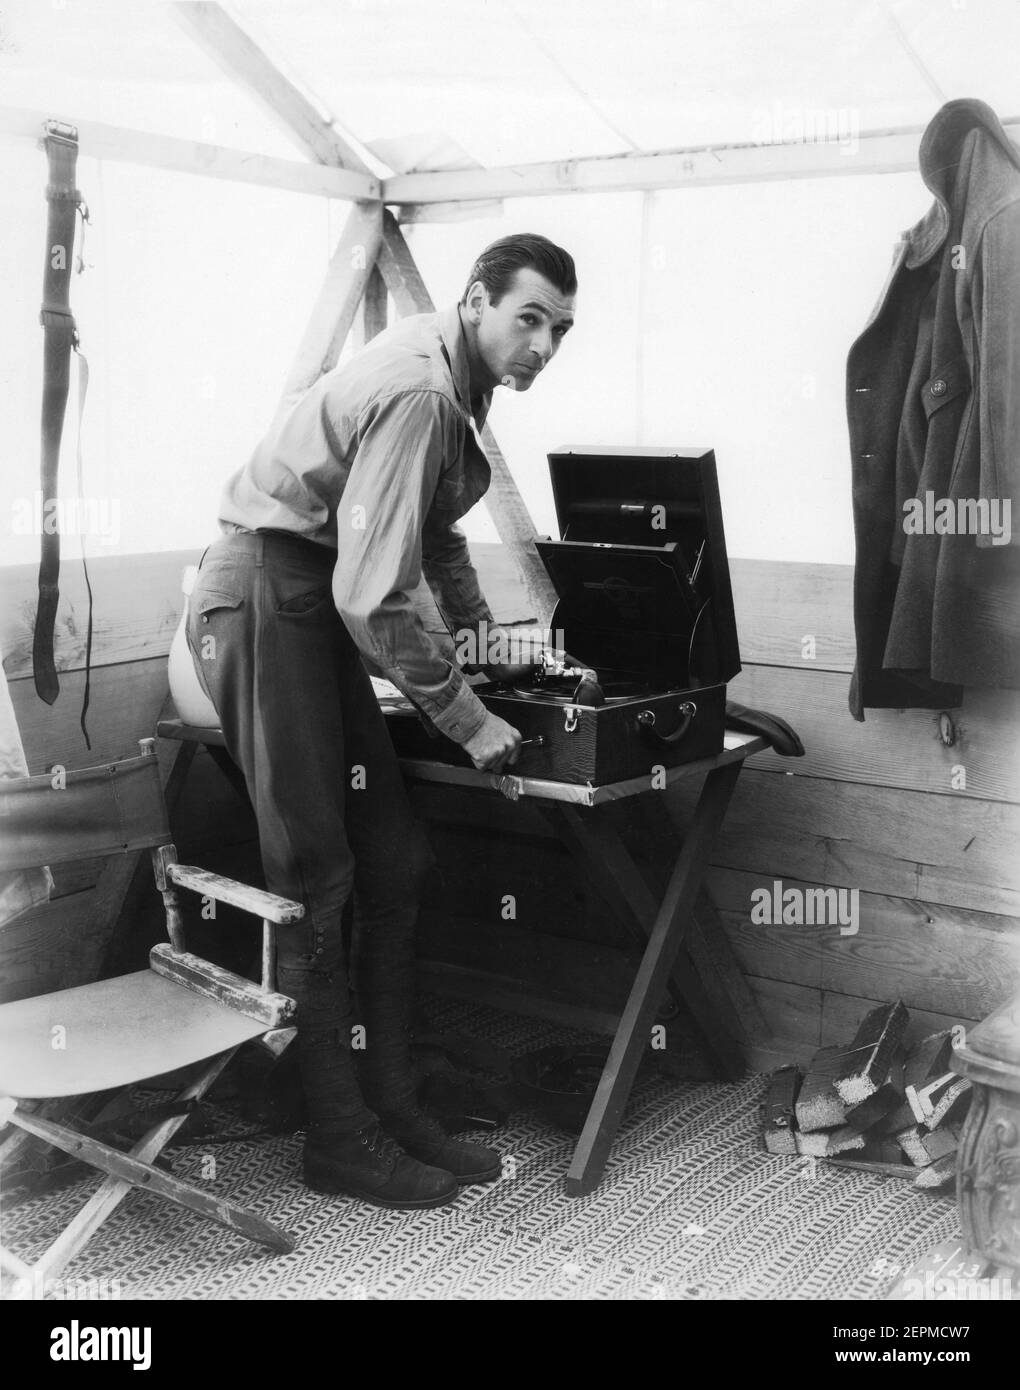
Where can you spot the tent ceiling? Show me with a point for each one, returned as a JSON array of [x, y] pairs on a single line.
[[524, 80], [127, 64], [516, 81]]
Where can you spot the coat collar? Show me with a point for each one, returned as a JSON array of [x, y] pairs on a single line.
[[451, 330], [941, 150]]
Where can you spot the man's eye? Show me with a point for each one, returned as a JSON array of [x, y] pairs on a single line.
[[529, 319], [561, 332]]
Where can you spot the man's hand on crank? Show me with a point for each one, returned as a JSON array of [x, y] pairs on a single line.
[[496, 745]]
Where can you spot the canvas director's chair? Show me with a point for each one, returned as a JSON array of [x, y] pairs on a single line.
[[181, 1011]]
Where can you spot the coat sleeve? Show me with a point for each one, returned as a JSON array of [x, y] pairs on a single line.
[[997, 339]]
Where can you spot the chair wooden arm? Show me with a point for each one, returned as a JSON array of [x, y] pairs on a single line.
[[203, 977], [257, 901], [273, 910]]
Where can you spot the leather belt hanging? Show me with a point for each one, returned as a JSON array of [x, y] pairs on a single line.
[[60, 335]]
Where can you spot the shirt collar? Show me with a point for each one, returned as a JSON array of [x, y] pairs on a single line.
[[451, 330]]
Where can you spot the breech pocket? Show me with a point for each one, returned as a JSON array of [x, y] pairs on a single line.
[[307, 603], [191, 654], [208, 601]]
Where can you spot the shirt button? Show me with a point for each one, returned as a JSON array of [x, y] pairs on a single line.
[[938, 388], [205, 617]]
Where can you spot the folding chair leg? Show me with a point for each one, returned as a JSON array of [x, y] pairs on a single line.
[[133, 1169], [20, 1139], [12, 1146], [14, 1266]]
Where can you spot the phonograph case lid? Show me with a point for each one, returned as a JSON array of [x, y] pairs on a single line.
[[641, 572]]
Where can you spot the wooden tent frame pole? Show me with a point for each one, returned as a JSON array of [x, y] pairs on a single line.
[[374, 307], [237, 53], [336, 306]]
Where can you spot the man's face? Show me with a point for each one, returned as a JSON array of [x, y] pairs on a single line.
[[517, 337]]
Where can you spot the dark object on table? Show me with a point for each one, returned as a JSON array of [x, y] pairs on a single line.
[[645, 606], [756, 721]]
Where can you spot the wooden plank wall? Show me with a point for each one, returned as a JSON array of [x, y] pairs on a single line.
[[879, 807], [926, 833]]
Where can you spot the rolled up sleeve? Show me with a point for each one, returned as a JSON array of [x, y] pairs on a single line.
[[404, 440]]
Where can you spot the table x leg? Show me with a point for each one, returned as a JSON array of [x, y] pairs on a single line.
[[665, 924]]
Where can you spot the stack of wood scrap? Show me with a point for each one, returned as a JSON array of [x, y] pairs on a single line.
[[873, 1104]]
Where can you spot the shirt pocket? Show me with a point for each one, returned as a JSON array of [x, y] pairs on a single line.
[[449, 498]]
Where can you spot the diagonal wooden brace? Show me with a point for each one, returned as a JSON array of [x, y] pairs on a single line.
[[613, 872]]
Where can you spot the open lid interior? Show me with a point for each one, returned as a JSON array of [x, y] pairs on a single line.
[[641, 573]]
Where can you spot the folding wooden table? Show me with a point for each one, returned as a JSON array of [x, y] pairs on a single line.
[[573, 810]]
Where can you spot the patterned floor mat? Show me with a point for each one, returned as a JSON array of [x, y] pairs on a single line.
[[690, 1208]]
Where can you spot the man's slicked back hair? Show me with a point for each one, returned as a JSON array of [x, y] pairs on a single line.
[[500, 262]]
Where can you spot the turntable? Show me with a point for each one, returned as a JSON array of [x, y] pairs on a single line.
[[645, 611]]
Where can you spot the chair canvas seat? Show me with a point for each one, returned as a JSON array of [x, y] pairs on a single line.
[[111, 1033]]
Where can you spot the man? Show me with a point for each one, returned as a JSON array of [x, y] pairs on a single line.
[[349, 499]]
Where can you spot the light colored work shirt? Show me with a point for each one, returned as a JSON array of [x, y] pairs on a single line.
[[378, 460]]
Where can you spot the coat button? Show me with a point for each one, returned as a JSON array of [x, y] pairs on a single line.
[[205, 617], [938, 388]]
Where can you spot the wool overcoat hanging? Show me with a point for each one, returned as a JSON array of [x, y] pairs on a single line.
[[933, 401]]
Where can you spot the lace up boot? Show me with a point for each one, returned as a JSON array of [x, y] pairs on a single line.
[[345, 1149], [370, 1165], [386, 1071], [426, 1140]]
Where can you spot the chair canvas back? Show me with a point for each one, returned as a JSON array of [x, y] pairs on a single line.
[[54, 819]]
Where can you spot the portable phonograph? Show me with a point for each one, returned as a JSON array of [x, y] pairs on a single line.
[[646, 614]]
